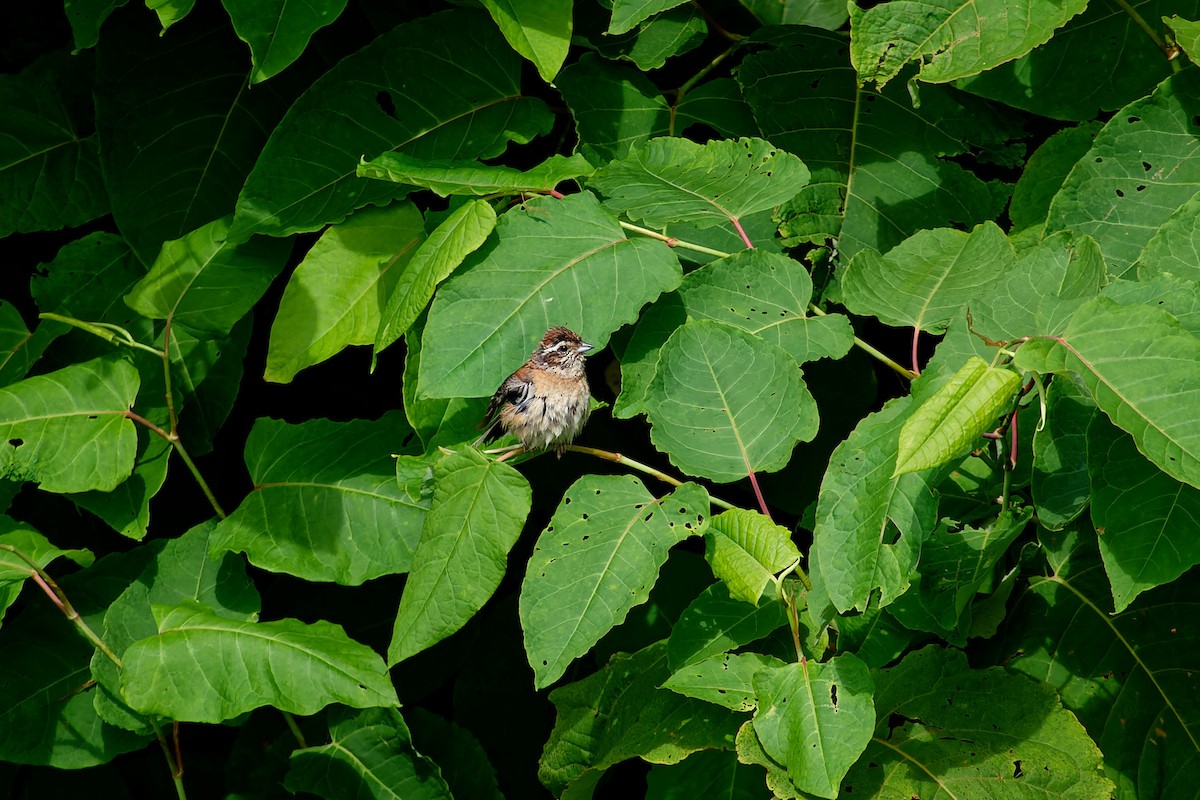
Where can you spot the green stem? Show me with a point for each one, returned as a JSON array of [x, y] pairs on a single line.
[[176, 443], [113, 334], [172, 760], [691, 82], [295, 729], [871, 351], [617, 458], [166, 359], [673, 242], [1141, 23]]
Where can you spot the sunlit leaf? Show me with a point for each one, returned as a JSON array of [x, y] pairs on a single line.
[[746, 550], [447, 178], [540, 30], [278, 31]]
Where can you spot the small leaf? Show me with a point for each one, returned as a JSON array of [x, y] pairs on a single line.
[[955, 416], [479, 507], [326, 505], [204, 282], [1187, 34], [67, 430], [336, 296], [626, 14], [1061, 489], [278, 31], [459, 235], [815, 719], [662, 37], [368, 750], [710, 412], [446, 178], [746, 550], [540, 30], [597, 559], [1143, 370], [715, 622], [202, 667], [676, 180], [1175, 246], [552, 258], [726, 680], [14, 571]]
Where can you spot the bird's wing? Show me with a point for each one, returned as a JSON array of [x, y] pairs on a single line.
[[515, 390]]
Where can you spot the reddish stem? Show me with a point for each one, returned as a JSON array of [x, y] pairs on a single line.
[[742, 232], [49, 592], [1012, 452], [556, 194], [762, 503]]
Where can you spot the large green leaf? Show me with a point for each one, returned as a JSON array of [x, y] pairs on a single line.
[[923, 281], [49, 164], [447, 178], [456, 237], [670, 180], [1149, 521], [67, 430], [815, 719], [202, 667], [1132, 678], [370, 754], [1143, 165], [619, 713], [337, 296], [711, 774], [614, 106], [1175, 248], [724, 403], [827, 14], [950, 39], [716, 622], [551, 261], [881, 169], [596, 560], [479, 507], [540, 30], [278, 31], [447, 421], [326, 506], [174, 160], [306, 175], [1143, 370], [1062, 79], [206, 283], [870, 523]]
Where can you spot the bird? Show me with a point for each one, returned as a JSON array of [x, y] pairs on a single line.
[[547, 400]]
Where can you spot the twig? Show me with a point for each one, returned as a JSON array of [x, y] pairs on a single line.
[[871, 351], [673, 242], [617, 458]]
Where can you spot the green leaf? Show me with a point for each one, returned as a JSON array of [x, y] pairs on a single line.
[[950, 421], [870, 523], [881, 169], [709, 411], [1045, 172], [716, 622], [924, 281], [277, 31], [306, 175], [711, 774], [950, 39], [619, 713], [1059, 81], [205, 283], [746, 550], [719, 104], [663, 36], [540, 30], [627, 14], [1130, 677], [1174, 248], [1061, 488], [370, 754], [827, 14], [455, 238], [1146, 520], [874, 636], [613, 106], [86, 17], [675, 180], [1187, 34], [457, 753], [726, 680], [326, 506], [446, 178], [1143, 165], [170, 11], [67, 430], [174, 158], [202, 667], [639, 361], [815, 719], [479, 507], [14, 571], [447, 421], [1142, 369], [49, 164], [336, 296], [551, 259], [19, 349], [596, 560]]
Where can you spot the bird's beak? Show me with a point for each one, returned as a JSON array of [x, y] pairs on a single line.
[[584, 347]]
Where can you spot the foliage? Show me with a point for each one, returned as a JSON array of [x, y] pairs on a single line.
[[908, 296]]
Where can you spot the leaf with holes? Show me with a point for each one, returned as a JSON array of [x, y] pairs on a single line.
[[725, 679], [67, 430], [675, 180], [724, 403], [1143, 370], [715, 622], [815, 719], [596, 560], [746, 550]]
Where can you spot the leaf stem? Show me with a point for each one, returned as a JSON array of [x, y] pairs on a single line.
[[113, 334], [701, 73], [762, 503], [1145, 26], [294, 728], [617, 458], [166, 359], [742, 232], [174, 762], [177, 443], [672, 241], [871, 351], [915, 339]]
